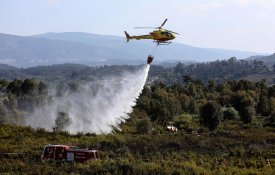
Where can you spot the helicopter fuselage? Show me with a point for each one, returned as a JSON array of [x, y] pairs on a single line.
[[159, 36], [162, 35]]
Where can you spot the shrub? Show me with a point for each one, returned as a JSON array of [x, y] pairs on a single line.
[[230, 113]]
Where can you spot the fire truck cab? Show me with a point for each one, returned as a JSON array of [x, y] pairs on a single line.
[[68, 153]]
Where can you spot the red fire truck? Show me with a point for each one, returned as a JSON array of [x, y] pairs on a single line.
[[68, 153]]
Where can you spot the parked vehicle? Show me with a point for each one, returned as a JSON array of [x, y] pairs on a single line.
[[68, 153]]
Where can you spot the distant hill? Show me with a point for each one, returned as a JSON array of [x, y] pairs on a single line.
[[268, 60], [92, 49]]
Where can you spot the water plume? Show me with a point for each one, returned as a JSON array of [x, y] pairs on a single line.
[[95, 107]]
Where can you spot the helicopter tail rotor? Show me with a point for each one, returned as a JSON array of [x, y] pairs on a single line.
[[128, 37]]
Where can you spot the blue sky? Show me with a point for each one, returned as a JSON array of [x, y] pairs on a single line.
[[230, 24]]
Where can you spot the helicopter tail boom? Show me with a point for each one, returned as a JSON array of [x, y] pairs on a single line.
[[128, 37]]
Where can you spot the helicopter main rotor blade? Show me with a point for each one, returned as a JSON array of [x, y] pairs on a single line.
[[163, 23], [145, 27], [160, 27], [172, 32]]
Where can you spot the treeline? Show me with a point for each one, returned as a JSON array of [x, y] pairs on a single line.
[[64, 71], [219, 71]]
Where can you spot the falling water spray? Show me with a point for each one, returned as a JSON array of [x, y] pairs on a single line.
[[95, 107]]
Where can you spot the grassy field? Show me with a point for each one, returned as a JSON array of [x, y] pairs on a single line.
[[233, 149]]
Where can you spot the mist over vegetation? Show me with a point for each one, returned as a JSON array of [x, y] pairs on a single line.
[[94, 106]]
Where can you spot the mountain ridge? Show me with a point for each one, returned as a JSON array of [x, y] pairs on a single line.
[[94, 49]]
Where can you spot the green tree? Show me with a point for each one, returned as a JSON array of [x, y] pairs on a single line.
[[273, 67], [164, 106], [263, 106], [184, 101], [247, 114], [187, 78], [272, 105], [144, 126], [11, 102], [210, 115], [73, 86], [211, 85], [3, 112], [271, 121], [245, 104], [14, 87], [74, 74], [42, 89], [194, 107], [62, 121], [3, 84], [29, 87], [185, 122]]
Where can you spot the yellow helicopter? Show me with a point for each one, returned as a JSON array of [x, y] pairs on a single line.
[[160, 36]]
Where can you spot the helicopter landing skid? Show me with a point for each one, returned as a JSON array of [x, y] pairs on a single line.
[[163, 43]]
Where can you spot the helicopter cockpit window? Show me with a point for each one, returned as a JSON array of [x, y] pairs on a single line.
[[163, 33]]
